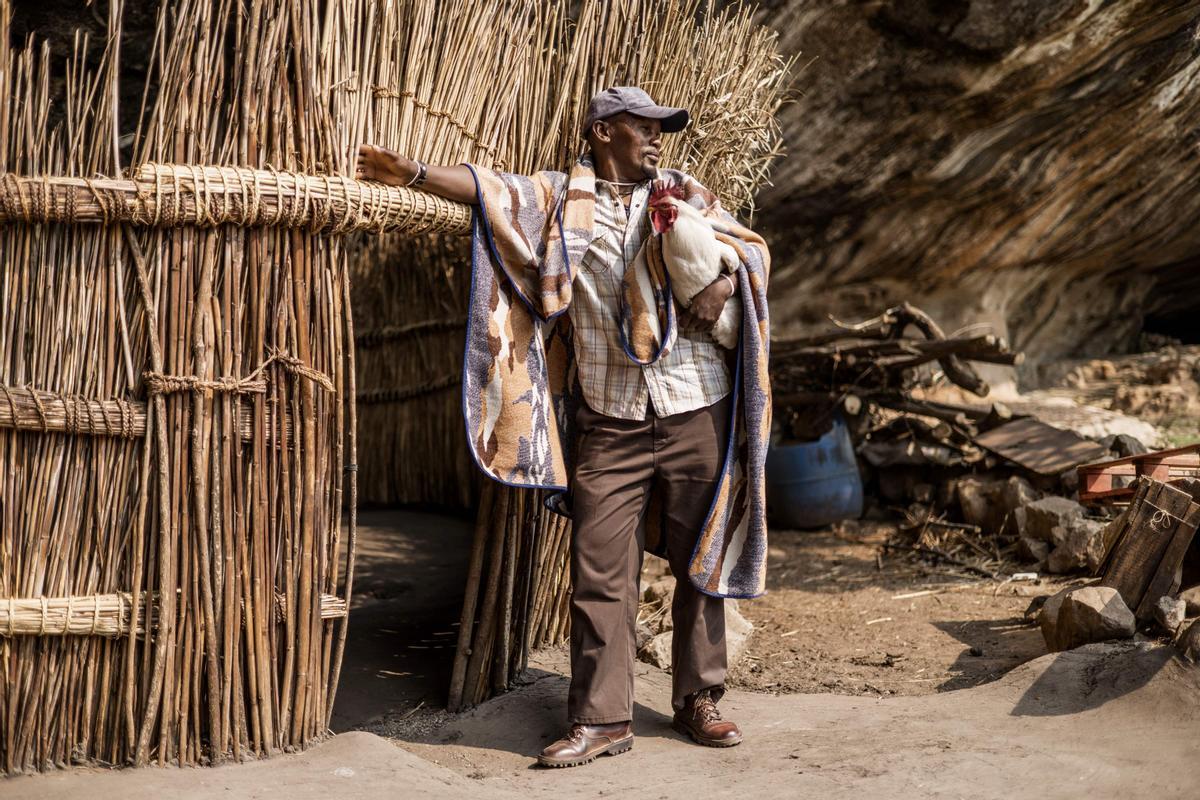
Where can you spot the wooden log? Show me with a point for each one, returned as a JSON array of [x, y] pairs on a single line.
[[924, 408], [531, 550], [958, 372], [484, 637], [513, 525], [977, 348], [554, 531], [877, 328]]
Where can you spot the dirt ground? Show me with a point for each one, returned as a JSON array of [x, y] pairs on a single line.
[[839, 616], [409, 575], [1104, 721], [868, 673]]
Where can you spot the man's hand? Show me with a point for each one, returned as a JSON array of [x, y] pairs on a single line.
[[377, 163], [707, 306]]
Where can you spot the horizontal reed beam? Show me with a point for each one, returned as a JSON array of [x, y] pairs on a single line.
[[92, 615], [24, 408], [29, 409], [167, 195], [105, 614]]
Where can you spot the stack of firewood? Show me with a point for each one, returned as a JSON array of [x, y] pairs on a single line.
[[878, 363]]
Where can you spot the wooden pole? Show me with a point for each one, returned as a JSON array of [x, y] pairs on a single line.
[[462, 651]]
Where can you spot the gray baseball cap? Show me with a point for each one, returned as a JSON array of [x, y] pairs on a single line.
[[634, 100]]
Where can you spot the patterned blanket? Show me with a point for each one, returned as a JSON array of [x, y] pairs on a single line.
[[519, 392]]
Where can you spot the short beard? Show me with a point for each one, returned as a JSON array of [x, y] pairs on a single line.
[[649, 170]]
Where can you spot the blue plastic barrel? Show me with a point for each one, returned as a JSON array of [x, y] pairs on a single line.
[[811, 484]]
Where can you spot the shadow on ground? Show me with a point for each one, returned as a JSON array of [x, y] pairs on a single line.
[[1089, 677], [992, 647]]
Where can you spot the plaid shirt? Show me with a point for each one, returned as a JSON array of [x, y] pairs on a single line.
[[692, 375]]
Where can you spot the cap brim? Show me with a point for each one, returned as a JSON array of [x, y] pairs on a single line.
[[673, 119]]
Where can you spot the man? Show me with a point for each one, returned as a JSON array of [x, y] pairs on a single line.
[[656, 412]]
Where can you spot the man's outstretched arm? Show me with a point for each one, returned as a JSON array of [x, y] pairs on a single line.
[[377, 163]]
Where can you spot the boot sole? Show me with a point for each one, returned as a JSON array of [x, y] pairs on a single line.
[[616, 748], [686, 731]]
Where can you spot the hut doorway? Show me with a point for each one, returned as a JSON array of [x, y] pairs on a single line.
[[410, 570]]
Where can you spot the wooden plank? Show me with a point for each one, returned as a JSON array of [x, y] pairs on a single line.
[[1039, 447], [1153, 523], [1188, 454], [1170, 566], [1118, 529]]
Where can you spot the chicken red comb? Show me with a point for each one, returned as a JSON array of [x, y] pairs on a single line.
[[662, 189]]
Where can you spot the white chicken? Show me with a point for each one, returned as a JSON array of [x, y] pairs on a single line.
[[694, 256]]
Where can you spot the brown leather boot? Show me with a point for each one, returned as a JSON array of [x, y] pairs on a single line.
[[584, 742], [700, 719]]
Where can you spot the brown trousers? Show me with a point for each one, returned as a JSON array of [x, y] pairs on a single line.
[[618, 464]]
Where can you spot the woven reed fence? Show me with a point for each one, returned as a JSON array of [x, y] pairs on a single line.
[[176, 376], [177, 417]]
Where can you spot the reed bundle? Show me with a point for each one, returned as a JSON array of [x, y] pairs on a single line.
[[168, 195], [98, 615], [28, 409], [176, 420], [110, 614], [519, 602]]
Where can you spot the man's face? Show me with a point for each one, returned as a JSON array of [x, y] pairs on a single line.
[[632, 141]]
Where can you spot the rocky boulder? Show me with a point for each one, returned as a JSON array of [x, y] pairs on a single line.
[[1075, 617], [1048, 518], [1188, 642], [1058, 526], [1079, 547], [1169, 613], [657, 651], [1191, 597], [957, 155], [992, 503]]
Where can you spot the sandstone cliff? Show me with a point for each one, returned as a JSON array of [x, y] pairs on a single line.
[[1030, 165]]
